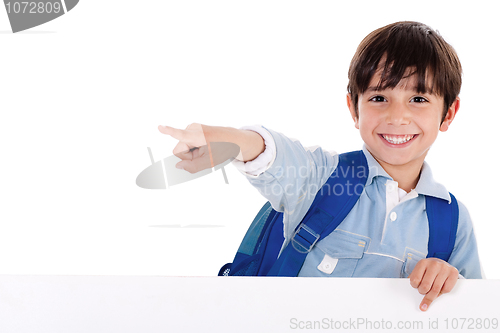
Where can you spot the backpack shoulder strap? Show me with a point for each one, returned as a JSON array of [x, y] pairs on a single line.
[[332, 204], [443, 224]]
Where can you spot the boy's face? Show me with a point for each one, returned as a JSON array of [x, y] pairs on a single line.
[[399, 125]]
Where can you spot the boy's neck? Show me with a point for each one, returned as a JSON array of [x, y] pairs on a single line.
[[407, 175]]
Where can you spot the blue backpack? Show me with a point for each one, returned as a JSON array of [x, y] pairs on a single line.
[[259, 250]]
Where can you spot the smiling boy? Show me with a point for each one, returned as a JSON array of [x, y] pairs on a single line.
[[398, 125], [403, 90]]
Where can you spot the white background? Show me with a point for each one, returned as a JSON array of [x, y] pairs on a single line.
[[81, 98]]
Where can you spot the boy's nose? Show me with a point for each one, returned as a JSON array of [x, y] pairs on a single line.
[[398, 115]]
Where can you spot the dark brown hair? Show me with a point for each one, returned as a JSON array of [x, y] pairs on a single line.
[[406, 46]]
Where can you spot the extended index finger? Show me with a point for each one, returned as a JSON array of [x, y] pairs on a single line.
[[173, 132], [436, 282]]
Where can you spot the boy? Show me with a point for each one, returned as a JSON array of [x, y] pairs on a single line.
[[404, 81]]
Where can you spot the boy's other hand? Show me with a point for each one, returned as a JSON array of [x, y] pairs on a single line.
[[433, 277]]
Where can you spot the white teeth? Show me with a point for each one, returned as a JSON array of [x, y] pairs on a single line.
[[398, 139]]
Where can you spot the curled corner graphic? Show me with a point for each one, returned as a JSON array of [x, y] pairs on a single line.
[[163, 173], [24, 15]]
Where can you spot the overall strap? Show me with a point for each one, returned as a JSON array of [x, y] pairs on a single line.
[[332, 204], [443, 224]]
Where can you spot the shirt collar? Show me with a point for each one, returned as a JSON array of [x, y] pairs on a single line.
[[426, 184]]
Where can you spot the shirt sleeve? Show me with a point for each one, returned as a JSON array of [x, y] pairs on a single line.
[[262, 162], [289, 175], [465, 256]]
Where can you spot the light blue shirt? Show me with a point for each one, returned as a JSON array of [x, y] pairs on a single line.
[[385, 234]]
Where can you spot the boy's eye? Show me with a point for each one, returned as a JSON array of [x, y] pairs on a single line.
[[377, 99], [419, 99]]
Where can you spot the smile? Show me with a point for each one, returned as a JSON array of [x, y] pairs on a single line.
[[398, 139]]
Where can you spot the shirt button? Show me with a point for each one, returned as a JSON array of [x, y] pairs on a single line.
[[327, 266], [393, 216], [391, 187]]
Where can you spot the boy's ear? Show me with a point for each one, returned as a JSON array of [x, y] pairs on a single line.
[[452, 112], [350, 105]]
